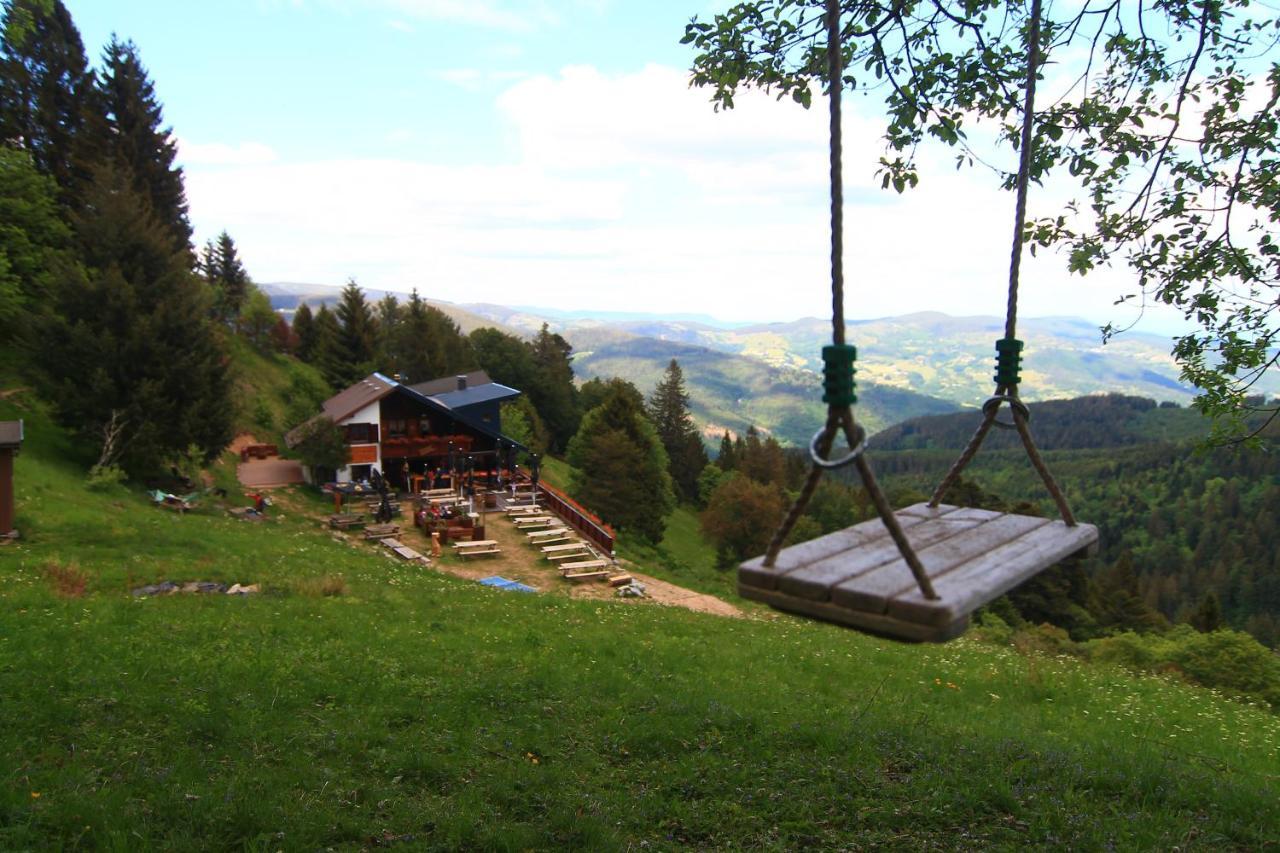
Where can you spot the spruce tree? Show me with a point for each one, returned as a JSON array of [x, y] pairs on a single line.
[[389, 314], [669, 411], [621, 468], [728, 458], [127, 127], [357, 340], [450, 350], [326, 349], [134, 344], [555, 395], [228, 279], [45, 84], [304, 330]]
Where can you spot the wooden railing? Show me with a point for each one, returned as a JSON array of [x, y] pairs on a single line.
[[572, 513]]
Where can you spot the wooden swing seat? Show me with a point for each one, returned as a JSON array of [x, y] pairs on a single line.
[[856, 576]]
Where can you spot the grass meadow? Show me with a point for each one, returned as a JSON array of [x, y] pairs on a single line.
[[359, 702]]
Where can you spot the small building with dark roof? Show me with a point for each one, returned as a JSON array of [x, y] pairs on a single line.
[[11, 435], [390, 425]]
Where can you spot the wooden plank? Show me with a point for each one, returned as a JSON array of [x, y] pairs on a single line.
[[620, 580], [995, 572], [475, 543], [554, 531], [585, 576], [391, 543], [815, 581], [583, 566], [754, 573], [873, 623], [572, 546], [871, 591], [406, 553], [479, 553], [381, 531], [574, 555], [563, 537]]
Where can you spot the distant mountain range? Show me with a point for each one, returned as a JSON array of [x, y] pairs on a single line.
[[767, 374]]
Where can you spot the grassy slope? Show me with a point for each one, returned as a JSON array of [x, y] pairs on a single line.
[[262, 382], [426, 707]]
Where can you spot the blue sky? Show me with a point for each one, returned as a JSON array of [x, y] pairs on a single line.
[[549, 153]]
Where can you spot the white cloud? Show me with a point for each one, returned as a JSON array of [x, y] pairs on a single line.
[[219, 154], [629, 193]]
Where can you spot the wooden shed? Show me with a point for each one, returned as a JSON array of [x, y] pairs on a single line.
[[10, 439]]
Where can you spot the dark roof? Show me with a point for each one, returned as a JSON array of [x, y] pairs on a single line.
[[460, 416], [450, 383], [10, 433], [471, 395], [371, 389], [375, 386]]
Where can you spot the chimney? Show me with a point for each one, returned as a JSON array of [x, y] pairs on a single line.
[[462, 382]]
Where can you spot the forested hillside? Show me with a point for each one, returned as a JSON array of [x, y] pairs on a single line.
[[736, 392]]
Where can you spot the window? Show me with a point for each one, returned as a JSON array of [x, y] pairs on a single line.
[[424, 425], [362, 433], [360, 473], [397, 428]]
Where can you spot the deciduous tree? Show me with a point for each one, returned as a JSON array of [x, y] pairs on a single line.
[[1163, 116]]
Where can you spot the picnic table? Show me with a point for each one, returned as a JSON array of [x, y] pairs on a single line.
[[569, 551], [533, 521], [346, 520], [477, 547]]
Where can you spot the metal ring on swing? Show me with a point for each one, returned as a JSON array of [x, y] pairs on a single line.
[[1017, 405], [832, 464]]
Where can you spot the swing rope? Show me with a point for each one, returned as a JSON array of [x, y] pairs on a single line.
[[1009, 349], [838, 359]]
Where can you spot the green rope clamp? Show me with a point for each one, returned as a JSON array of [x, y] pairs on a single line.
[[838, 386], [1008, 360]]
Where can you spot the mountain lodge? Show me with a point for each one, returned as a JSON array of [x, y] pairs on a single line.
[[389, 425]]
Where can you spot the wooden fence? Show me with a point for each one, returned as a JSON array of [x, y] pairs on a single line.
[[576, 516]]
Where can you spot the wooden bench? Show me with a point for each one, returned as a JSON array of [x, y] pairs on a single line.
[[346, 521], [381, 531], [472, 544], [583, 566], [535, 536], [579, 577], [473, 552]]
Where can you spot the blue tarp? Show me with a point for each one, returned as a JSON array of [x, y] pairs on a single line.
[[503, 583]]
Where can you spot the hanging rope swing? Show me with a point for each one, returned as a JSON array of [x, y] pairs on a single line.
[[917, 574]]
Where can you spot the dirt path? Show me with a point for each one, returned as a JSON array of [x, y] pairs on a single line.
[[264, 473], [521, 562]]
